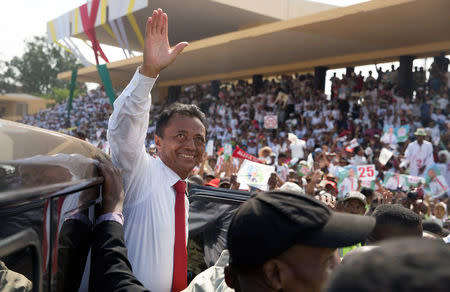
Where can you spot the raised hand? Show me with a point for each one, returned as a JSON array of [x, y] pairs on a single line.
[[157, 52], [330, 201]]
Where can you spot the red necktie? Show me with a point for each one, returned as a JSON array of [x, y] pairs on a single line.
[[179, 281]]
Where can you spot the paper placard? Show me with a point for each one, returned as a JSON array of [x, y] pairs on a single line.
[[385, 155], [393, 135], [349, 177], [254, 174], [435, 183], [366, 172], [270, 122], [210, 148], [396, 181], [353, 144]]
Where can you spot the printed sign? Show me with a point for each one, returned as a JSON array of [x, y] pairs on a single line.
[[393, 135], [402, 133], [396, 181], [270, 122], [370, 184], [254, 174], [303, 169], [227, 150], [353, 144], [435, 184], [349, 177], [366, 172]]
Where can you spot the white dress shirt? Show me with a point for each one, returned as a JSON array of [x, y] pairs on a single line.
[[149, 195]]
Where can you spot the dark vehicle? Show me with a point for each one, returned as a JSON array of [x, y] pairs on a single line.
[[45, 177]]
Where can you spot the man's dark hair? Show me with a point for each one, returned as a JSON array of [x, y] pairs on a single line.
[[367, 192], [394, 220], [189, 110], [397, 265], [388, 214], [282, 155]]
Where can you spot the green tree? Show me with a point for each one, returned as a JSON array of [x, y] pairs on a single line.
[[35, 72], [7, 75], [61, 94]]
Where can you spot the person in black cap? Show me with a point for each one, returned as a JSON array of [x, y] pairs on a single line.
[[399, 265], [287, 241]]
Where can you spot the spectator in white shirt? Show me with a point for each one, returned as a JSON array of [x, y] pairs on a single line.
[[418, 154], [358, 158]]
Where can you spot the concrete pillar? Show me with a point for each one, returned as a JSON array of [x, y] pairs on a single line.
[[257, 83], [215, 88], [159, 94], [320, 73], [405, 75], [349, 71], [174, 93], [441, 62]]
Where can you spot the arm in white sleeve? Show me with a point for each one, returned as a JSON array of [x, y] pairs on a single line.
[[127, 127]]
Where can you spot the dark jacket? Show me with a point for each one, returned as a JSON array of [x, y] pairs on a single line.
[[110, 266]]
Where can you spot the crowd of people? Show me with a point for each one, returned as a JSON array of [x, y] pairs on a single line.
[[351, 126], [367, 149], [311, 126]]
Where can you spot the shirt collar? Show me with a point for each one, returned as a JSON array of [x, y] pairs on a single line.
[[170, 176]]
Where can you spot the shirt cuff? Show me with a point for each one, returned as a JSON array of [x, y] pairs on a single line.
[[114, 216], [80, 217], [141, 85]]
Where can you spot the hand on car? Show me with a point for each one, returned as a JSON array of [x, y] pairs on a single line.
[[112, 190]]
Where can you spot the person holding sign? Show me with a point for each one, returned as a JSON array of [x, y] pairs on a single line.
[[155, 205], [418, 154]]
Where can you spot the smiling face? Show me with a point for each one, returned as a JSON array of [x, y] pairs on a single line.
[[183, 144]]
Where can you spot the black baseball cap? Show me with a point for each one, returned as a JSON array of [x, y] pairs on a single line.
[[269, 223]]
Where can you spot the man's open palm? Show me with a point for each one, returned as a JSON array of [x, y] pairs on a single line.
[[157, 52]]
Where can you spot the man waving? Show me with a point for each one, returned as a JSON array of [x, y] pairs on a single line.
[[155, 207]]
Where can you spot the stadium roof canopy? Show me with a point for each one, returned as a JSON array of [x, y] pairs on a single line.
[[374, 31]]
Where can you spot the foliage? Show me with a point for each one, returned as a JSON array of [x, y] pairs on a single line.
[[7, 83], [35, 72], [61, 94]]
